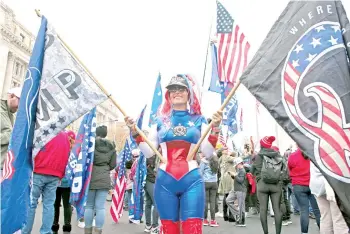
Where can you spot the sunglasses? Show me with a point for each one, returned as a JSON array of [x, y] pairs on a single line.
[[177, 89]]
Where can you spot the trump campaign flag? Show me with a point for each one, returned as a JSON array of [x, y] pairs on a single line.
[[301, 75], [17, 170], [80, 162]]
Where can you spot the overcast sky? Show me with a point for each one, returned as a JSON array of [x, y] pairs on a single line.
[[126, 43]]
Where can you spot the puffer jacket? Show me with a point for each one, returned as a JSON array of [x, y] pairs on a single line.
[[104, 161]]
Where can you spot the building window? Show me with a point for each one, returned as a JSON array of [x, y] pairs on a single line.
[[15, 84], [22, 37], [18, 69]]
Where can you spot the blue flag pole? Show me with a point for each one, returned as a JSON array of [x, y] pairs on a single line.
[[18, 166]]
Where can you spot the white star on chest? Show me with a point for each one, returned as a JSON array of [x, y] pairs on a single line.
[[299, 48], [315, 42], [190, 124], [333, 40]]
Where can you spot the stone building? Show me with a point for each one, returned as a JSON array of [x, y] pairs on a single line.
[[16, 44]]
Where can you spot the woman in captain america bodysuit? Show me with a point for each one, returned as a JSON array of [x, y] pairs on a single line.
[[179, 189]]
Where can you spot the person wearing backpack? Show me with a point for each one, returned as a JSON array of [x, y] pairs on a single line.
[[267, 168], [286, 219], [299, 170]]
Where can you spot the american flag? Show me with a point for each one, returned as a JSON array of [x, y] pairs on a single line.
[[333, 137], [233, 47], [222, 139], [116, 209]]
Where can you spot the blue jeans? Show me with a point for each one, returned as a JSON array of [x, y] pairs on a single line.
[[46, 186], [95, 203], [304, 198]]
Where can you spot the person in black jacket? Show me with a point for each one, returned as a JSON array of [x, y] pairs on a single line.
[[151, 219], [268, 190], [104, 162]]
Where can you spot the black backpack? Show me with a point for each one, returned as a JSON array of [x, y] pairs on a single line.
[[272, 170]]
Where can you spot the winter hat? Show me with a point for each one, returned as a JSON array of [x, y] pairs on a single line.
[[267, 141], [71, 134], [238, 161], [275, 148], [16, 91], [101, 131]]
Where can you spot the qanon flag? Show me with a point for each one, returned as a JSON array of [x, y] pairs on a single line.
[[80, 162], [301, 75]]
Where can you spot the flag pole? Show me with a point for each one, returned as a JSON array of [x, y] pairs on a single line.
[[108, 95], [205, 133]]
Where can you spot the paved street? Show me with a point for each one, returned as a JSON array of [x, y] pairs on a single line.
[[253, 225]]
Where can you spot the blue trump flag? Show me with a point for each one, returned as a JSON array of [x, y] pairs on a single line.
[[18, 166], [215, 84], [230, 111], [156, 101], [138, 187], [80, 162]]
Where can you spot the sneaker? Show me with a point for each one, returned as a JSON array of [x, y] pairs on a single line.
[[81, 223], [312, 216], [148, 229], [219, 214], [155, 230], [241, 225], [285, 223], [289, 221], [205, 222], [214, 223]]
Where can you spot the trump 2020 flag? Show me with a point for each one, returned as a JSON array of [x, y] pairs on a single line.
[[301, 75], [156, 101], [67, 91], [81, 161], [17, 170]]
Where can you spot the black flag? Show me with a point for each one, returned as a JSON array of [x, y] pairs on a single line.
[[301, 75]]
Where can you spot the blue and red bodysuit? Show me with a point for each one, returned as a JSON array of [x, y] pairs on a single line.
[[179, 189]]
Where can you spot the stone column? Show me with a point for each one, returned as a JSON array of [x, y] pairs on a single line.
[[9, 74], [4, 52]]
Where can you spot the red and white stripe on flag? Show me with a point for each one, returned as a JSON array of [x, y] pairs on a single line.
[[222, 139], [8, 169], [116, 209], [233, 51]]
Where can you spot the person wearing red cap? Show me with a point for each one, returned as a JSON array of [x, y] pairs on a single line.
[[267, 168]]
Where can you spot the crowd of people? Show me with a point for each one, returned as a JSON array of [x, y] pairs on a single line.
[[184, 194]]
